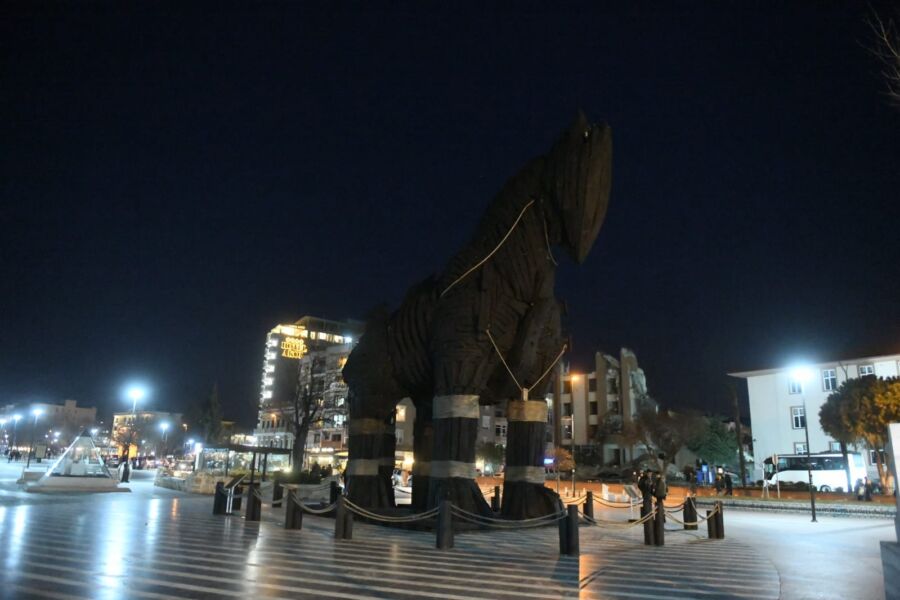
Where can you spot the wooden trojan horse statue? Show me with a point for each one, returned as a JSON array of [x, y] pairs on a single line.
[[487, 330]]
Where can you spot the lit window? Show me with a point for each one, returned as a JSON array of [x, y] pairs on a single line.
[[799, 448], [268, 380], [270, 368], [339, 402], [401, 414], [485, 422], [270, 356], [829, 380], [794, 386], [866, 370], [272, 342], [500, 430], [834, 446], [267, 394], [339, 420], [798, 417]]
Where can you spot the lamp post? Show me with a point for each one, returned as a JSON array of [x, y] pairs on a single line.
[[574, 379], [36, 412], [165, 430], [134, 393], [15, 419], [802, 375], [3, 426]]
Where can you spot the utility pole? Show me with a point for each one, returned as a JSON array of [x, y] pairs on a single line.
[[738, 433]]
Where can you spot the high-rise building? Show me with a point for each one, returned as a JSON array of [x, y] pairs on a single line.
[[306, 357]]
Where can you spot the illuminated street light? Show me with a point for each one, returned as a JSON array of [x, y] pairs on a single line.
[[36, 412], [134, 392], [801, 375]]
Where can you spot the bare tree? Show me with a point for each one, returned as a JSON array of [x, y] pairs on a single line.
[[886, 49], [306, 407]]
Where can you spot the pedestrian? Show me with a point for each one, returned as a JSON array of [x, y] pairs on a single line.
[[729, 485], [868, 490], [860, 489], [720, 485]]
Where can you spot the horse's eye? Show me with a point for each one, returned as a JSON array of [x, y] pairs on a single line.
[[587, 133]]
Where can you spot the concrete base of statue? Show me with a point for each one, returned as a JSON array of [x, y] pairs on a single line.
[[890, 562]]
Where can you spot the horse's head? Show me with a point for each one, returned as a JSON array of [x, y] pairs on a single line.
[[578, 173]]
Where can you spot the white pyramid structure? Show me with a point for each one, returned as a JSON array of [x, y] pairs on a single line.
[[79, 469]]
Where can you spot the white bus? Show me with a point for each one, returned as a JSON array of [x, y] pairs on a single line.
[[828, 470]]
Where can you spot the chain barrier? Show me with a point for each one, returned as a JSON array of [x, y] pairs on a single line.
[[389, 519], [699, 518], [626, 525], [506, 523], [578, 500], [610, 504]]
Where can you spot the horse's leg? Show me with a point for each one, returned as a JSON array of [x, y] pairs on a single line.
[[373, 398], [423, 441]]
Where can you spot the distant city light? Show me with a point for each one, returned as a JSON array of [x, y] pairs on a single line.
[[37, 412], [164, 426], [16, 418]]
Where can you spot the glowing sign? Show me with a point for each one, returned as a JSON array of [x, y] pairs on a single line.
[[292, 347]]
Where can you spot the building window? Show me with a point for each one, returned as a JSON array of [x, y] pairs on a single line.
[[799, 447], [834, 446], [592, 384], [339, 420], [829, 380], [612, 386], [485, 422], [593, 408], [567, 386], [399, 436], [335, 437], [592, 431], [613, 407], [794, 386], [401, 414], [500, 430], [567, 431], [873, 456], [798, 417], [567, 409], [866, 370]]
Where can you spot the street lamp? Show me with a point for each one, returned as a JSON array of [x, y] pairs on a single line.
[[574, 378], [36, 412], [15, 419], [165, 430], [134, 392], [801, 375]]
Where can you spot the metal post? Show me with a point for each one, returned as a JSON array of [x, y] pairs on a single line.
[[254, 504], [563, 535], [334, 492], [648, 528], [690, 507], [277, 494], [339, 519], [444, 539], [589, 504], [720, 521], [220, 499], [31, 449], [572, 531], [812, 488], [659, 524], [293, 512], [711, 525], [348, 525]]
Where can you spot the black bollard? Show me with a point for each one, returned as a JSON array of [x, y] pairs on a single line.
[[333, 492], [277, 495], [710, 525], [444, 534], [293, 512], [589, 505], [564, 535], [348, 525], [648, 527], [720, 521], [220, 498], [254, 505], [237, 499], [340, 519], [495, 499], [690, 514], [572, 531], [659, 525]]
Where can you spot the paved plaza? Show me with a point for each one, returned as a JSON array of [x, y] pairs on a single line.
[[157, 543]]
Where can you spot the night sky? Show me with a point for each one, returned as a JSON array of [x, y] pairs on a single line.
[[175, 181]]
